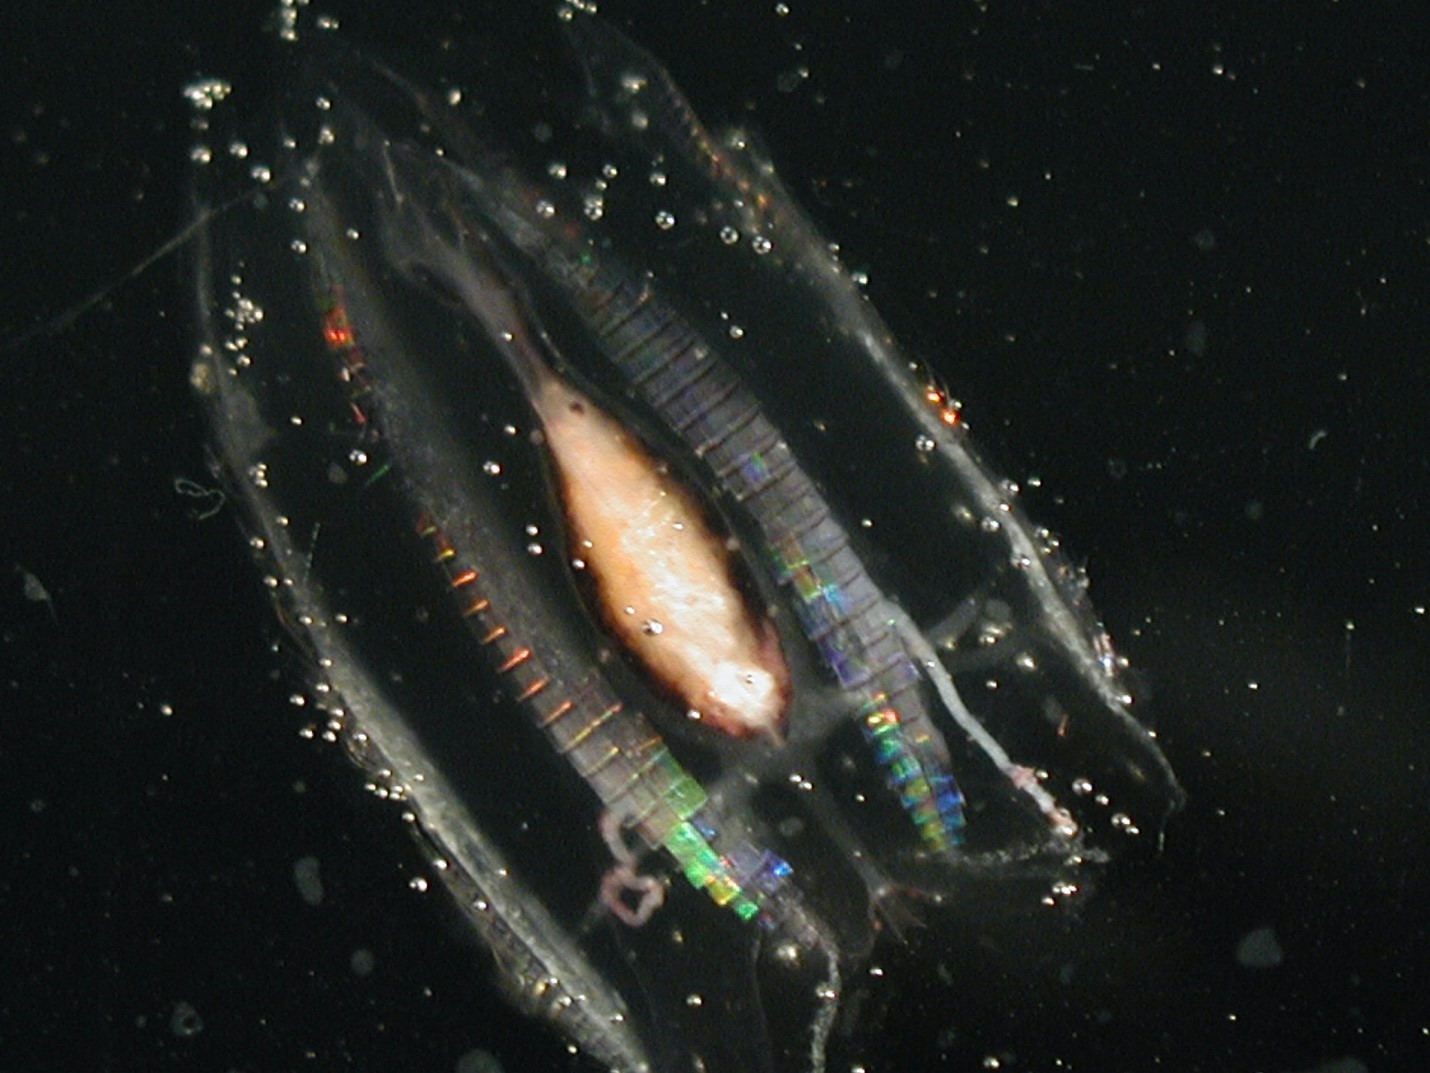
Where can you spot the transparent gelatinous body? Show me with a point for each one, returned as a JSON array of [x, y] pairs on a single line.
[[437, 271]]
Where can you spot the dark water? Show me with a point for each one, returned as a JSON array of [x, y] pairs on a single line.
[[1173, 265]]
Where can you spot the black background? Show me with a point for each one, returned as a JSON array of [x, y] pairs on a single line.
[[1172, 258]]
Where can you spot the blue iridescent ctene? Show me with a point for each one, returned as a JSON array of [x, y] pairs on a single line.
[[438, 246]]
